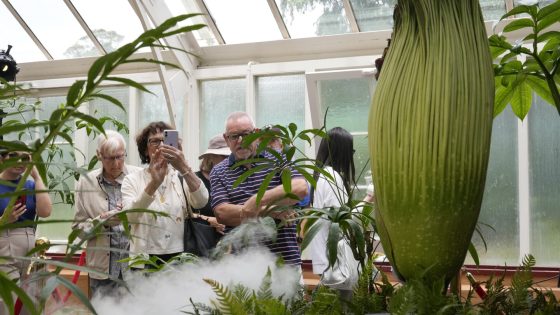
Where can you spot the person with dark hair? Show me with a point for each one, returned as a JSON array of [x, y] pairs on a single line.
[[18, 241], [167, 185], [335, 156], [98, 197]]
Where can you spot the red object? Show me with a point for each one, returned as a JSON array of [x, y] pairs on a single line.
[[56, 293], [477, 288]]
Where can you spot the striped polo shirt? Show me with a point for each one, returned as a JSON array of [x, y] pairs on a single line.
[[222, 178]]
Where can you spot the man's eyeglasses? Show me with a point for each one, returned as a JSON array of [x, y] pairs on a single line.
[[114, 158], [24, 157], [236, 136]]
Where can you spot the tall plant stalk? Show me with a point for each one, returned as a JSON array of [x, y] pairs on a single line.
[[429, 135]]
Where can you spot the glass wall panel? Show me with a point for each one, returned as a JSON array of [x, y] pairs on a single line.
[[244, 21], [20, 110], [541, 3], [310, 18], [152, 107], [218, 99], [24, 49], [112, 27], [493, 9], [374, 15], [544, 154], [500, 208], [348, 102], [117, 118], [62, 36]]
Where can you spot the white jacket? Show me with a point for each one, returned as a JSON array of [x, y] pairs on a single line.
[[157, 234], [326, 194]]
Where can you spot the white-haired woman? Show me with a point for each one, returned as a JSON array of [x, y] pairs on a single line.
[[98, 197]]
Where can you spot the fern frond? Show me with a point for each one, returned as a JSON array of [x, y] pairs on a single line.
[[265, 289], [226, 303]]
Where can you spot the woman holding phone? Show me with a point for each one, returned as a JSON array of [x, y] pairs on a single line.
[[167, 185], [20, 240]]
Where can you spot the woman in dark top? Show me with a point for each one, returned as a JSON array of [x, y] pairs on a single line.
[[217, 151]]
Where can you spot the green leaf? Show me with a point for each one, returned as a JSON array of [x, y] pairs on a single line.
[[518, 24], [521, 100], [10, 287], [541, 88], [110, 99], [474, 254], [264, 186], [529, 9], [248, 173], [74, 93], [548, 35], [502, 98], [549, 9], [332, 242], [90, 119], [286, 176], [548, 20], [293, 129], [130, 82], [498, 45], [309, 232]]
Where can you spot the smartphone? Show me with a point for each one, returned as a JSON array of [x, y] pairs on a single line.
[[22, 199], [171, 137]]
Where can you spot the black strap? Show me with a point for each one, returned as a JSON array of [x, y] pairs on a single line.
[[189, 211]]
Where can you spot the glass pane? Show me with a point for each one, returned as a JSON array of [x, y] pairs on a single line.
[[100, 108], [59, 31], [544, 151], [61, 171], [541, 3], [19, 110], [362, 164], [285, 92], [113, 27], [244, 21], [203, 36], [374, 15], [24, 49], [493, 9], [348, 102], [152, 107], [309, 18], [219, 98], [500, 207]]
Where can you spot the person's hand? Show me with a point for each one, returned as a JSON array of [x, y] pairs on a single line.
[[176, 158], [216, 225], [286, 216], [249, 208], [158, 167], [18, 210]]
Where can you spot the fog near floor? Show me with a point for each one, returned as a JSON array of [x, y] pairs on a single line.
[[168, 291]]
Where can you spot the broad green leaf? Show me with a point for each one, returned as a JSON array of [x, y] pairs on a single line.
[[520, 10], [110, 99], [90, 119], [10, 287], [548, 35], [518, 24], [130, 82], [332, 242], [293, 129], [540, 87], [248, 173], [308, 176], [553, 17], [521, 100], [549, 9], [286, 176], [74, 93], [264, 186], [311, 231], [502, 98], [290, 153]]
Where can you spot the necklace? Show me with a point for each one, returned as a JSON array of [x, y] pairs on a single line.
[[161, 190]]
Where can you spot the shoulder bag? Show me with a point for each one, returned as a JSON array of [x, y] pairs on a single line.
[[199, 238]]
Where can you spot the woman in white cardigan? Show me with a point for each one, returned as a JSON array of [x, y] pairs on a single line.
[[162, 187]]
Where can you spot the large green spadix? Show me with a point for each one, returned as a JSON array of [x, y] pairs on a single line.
[[429, 130]]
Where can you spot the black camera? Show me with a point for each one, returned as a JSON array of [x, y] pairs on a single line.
[[8, 66]]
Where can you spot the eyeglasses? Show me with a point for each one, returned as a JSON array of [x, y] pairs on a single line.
[[24, 157], [155, 142], [236, 136], [114, 158]]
